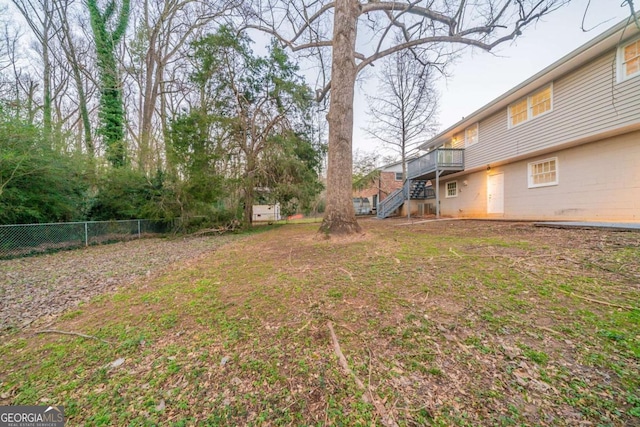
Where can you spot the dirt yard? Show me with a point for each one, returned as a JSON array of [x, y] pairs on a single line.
[[41, 287], [449, 323]]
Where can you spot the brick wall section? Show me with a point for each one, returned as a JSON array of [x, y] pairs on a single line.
[[387, 184]]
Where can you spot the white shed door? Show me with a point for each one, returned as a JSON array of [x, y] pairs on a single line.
[[495, 193]]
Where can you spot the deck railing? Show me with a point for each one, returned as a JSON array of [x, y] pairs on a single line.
[[443, 158]]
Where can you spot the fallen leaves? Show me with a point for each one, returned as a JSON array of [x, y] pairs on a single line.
[[42, 287]]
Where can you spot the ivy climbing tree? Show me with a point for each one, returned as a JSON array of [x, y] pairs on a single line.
[[107, 33]]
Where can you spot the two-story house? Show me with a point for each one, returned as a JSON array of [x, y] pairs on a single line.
[[563, 145]]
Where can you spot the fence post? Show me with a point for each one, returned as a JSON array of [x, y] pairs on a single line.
[[139, 236], [86, 234]]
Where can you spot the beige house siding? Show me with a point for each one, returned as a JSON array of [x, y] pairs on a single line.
[[597, 181], [471, 200], [586, 102], [457, 141]]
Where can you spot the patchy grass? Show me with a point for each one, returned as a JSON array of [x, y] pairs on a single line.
[[448, 323]]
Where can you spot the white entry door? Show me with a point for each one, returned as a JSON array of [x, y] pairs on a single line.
[[495, 194]]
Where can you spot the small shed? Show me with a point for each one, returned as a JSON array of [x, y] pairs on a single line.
[[266, 213]]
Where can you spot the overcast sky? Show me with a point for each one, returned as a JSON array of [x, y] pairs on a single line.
[[479, 77]]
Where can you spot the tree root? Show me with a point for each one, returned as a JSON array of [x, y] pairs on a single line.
[[332, 226]]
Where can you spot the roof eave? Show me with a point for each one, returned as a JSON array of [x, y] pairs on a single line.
[[590, 50]]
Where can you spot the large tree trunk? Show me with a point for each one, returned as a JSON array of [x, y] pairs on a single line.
[[74, 62], [46, 107], [340, 217], [148, 109], [112, 114], [164, 123], [249, 187]]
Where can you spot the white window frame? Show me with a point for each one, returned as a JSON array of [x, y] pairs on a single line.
[[446, 189], [545, 184], [396, 176], [620, 62], [530, 102], [509, 117], [468, 143], [530, 106]]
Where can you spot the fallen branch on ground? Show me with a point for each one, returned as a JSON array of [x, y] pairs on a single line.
[[347, 272], [231, 226], [455, 253], [303, 328], [544, 328], [77, 334], [597, 301], [387, 419], [219, 230]]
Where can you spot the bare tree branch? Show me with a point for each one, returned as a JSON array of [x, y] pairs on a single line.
[[403, 112], [365, 32]]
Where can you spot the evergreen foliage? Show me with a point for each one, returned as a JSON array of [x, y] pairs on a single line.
[[291, 171], [261, 106], [127, 193], [245, 138], [37, 183]]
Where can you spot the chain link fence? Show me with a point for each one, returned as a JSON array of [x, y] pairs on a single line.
[[27, 239]]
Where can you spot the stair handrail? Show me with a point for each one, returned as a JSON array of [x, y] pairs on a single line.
[[392, 202]]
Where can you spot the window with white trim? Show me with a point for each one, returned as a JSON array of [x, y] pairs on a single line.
[[543, 173], [540, 102], [518, 113], [471, 135], [629, 60], [534, 105], [452, 189], [398, 176]]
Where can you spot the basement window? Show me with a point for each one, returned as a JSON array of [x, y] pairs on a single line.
[[543, 173], [452, 189]]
